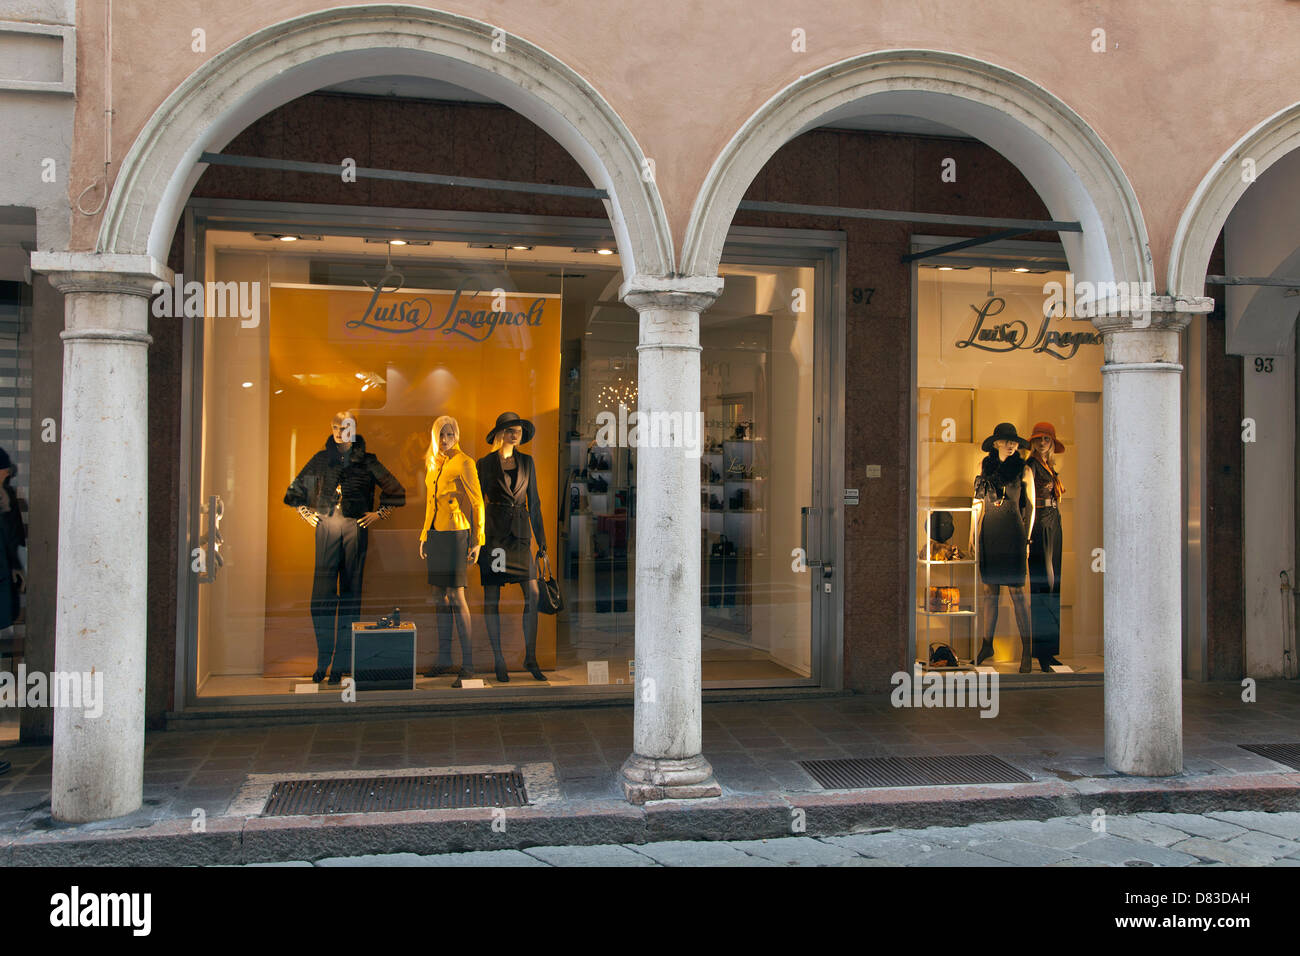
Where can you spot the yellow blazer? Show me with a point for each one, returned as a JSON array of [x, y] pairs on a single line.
[[453, 492]]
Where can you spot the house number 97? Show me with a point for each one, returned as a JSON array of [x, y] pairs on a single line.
[[1264, 364], [862, 296]]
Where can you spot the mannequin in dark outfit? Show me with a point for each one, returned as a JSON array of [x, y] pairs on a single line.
[[1045, 546], [513, 512], [334, 493], [1005, 507]]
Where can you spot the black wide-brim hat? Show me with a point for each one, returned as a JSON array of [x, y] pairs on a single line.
[[1004, 432], [505, 420]]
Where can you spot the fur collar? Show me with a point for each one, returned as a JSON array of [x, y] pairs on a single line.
[[356, 453], [1002, 471]]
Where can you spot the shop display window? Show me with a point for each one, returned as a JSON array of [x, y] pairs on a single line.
[[361, 344], [991, 365]]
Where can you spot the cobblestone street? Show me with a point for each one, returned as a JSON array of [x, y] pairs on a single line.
[[1226, 838]]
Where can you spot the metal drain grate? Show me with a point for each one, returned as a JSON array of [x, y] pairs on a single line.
[[1288, 754], [377, 794], [863, 773]]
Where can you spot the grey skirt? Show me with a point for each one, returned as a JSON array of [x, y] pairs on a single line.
[[446, 556]]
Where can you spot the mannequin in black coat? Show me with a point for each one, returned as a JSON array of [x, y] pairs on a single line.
[[513, 512], [335, 494]]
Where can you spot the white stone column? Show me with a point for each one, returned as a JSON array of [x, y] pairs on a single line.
[[666, 761], [103, 493], [1142, 528]]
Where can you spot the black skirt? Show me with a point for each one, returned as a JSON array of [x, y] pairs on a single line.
[[446, 555]]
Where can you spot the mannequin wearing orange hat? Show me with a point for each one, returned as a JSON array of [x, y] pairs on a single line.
[[1045, 545]]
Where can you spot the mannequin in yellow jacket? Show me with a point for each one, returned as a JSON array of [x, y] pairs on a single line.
[[451, 539]]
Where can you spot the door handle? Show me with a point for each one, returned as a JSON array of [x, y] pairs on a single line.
[[804, 512], [215, 509]]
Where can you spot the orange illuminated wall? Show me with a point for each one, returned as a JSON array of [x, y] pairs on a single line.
[[422, 354]]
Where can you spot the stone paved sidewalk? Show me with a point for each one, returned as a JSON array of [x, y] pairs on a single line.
[[1054, 736], [1226, 838]]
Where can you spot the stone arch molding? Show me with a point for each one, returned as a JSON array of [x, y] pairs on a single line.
[[1207, 212], [1062, 157], [294, 57]]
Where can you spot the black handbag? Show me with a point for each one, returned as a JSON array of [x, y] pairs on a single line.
[[549, 598]]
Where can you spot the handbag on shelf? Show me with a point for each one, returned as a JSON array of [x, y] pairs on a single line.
[[549, 598], [943, 600]]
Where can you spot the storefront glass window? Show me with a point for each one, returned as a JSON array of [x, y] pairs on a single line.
[[991, 365], [361, 346]]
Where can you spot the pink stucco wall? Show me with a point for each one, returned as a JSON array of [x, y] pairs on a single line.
[[1182, 80]]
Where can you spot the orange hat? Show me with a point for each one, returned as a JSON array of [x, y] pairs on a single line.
[[1046, 430]]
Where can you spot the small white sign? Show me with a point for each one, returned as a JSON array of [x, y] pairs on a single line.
[[472, 682], [597, 672], [850, 496], [873, 471], [306, 688]]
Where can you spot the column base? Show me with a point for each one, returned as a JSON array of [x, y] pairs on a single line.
[[664, 778]]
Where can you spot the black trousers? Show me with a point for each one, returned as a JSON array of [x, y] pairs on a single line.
[[1045, 582], [336, 588]]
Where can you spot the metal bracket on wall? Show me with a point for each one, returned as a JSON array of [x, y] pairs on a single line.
[[431, 179], [1292, 286]]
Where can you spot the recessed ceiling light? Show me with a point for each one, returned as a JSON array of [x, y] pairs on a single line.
[[248, 385], [287, 238], [604, 252], [945, 268], [279, 391], [398, 242], [1020, 269], [521, 248]]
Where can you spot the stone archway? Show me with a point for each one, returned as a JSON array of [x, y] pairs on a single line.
[[291, 58], [1225, 183], [1248, 197], [1066, 162], [103, 603], [1077, 178]]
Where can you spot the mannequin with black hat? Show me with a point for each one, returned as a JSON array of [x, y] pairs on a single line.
[[513, 512], [1004, 516]]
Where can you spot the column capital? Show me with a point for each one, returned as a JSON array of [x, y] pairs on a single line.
[[1155, 313], [101, 272], [676, 293]]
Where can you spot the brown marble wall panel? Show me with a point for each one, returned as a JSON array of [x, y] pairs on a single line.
[[1225, 513]]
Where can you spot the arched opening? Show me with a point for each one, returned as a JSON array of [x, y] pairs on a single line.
[[295, 57], [1237, 239], [263, 390], [957, 148]]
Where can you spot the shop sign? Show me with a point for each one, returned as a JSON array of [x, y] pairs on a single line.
[[1014, 335], [400, 316]]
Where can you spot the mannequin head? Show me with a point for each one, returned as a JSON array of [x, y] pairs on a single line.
[[1005, 448], [507, 440], [1042, 446], [444, 437], [344, 429]]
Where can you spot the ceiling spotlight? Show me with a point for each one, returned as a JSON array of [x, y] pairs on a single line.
[[604, 252], [397, 242], [1020, 269], [287, 238], [248, 385], [945, 268], [521, 248]]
